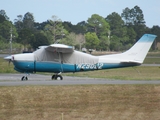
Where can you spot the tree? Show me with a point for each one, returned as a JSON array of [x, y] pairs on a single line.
[[80, 39], [5, 17], [134, 18], [38, 39], [156, 30], [28, 21], [137, 16], [132, 35], [69, 39], [2, 19], [115, 21], [118, 30], [104, 43], [68, 26], [80, 28], [115, 44], [40, 26], [19, 22], [55, 29], [6, 28], [25, 37], [126, 16], [116, 25], [92, 40], [138, 21], [98, 25]]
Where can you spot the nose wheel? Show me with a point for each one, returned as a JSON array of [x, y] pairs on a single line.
[[24, 78]]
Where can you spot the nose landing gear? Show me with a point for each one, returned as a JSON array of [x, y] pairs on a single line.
[[24, 78]]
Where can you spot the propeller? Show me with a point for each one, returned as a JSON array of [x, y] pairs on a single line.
[[9, 59]]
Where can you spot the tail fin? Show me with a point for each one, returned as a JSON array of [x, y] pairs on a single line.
[[138, 52]]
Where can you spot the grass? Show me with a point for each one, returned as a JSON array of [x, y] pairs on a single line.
[[135, 73], [5, 67], [151, 60], [81, 102], [154, 54]]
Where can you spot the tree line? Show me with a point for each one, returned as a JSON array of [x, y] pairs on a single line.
[[115, 32]]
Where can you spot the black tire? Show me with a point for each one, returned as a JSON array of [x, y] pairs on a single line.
[[59, 77], [53, 77], [23, 78]]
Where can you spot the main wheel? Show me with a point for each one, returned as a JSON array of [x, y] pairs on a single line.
[[53, 77], [59, 77]]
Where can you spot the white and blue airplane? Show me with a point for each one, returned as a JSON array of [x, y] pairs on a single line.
[[59, 58]]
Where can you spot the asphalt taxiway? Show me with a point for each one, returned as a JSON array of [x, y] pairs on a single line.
[[36, 79]]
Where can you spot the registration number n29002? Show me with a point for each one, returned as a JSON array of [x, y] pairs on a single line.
[[89, 66]]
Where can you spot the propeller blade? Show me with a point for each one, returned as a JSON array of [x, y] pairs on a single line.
[[9, 59]]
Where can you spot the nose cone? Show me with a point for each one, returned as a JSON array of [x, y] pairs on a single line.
[[24, 62]]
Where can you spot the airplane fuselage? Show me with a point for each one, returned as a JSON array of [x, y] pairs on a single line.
[[27, 63]]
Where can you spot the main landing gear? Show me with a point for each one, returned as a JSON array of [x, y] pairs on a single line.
[[57, 76]]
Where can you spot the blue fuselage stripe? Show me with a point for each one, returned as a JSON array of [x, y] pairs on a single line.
[[37, 66], [54, 67], [32, 66]]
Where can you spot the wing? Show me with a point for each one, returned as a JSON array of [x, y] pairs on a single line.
[[60, 48]]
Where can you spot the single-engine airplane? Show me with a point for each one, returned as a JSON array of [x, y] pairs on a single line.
[[59, 58]]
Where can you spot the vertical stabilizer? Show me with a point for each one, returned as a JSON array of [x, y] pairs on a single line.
[[139, 51]]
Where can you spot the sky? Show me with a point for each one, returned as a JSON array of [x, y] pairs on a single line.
[[75, 11]]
